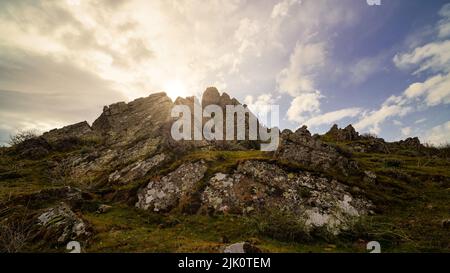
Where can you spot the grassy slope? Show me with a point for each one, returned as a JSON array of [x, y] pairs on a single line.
[[413, 199]]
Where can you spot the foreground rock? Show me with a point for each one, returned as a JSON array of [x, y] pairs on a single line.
[[60, 224], [163, 194], [258, 186]]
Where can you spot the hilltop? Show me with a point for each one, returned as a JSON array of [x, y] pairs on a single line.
[[123, 184]]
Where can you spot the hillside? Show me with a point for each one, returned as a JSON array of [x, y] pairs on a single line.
[[124, 185]]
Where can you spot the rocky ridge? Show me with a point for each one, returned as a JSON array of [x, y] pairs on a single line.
[[127, 155]]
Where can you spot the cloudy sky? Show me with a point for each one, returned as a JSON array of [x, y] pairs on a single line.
[[385, 69]]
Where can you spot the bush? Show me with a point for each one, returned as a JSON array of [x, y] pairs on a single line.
[[393, 163], [21, 136], [15, 234]]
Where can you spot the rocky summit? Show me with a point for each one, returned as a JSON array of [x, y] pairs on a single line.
[[124, 184]]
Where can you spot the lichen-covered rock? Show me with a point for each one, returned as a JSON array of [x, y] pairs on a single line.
[[301, 148], [60, 224], [257, 186], [242, 247], [103, 208], [136, 170], [162, 194]]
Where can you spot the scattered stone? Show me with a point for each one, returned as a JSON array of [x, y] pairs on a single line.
[[104, 208], [242, 247], [370, 176]]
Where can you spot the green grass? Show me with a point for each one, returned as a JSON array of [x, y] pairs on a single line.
[[126, 229], [411, 195]]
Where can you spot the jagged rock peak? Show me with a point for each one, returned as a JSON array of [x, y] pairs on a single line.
[[212, 96], [347, 134], [303, 131]]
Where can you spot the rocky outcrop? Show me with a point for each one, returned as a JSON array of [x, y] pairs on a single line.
[[60, 224], [78, 130], [301, 148], [411, 143], [347, 134], [212, 96], [144, 118], [136, 170], [163, 194], [258, 186]]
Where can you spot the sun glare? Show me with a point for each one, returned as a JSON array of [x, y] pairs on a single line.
[[175, 89]]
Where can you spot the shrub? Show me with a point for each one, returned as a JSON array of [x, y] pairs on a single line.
[[21, 136], [393, 163]]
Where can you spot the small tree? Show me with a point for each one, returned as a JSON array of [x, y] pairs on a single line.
[[21, 136]]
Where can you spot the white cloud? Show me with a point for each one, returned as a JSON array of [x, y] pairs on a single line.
[[374, 119], [406, 131], [420, 121], [444, 24], [303, 106], [433, 56], [397, 122], [332, 117], [282, 8], [364, 68], [439, 135], [261, 105], [304, 62]]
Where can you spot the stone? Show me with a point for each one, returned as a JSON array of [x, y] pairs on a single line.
[[370, 176], [259, 186], [103, 208], [136, 170], [163, 194], [61, 224], [242, 247], [78, 130]]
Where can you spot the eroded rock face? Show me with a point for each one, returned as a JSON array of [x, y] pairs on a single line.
[[77, 130], [163, 194], [122, 123], [411, 142], [136, 170], [257, 186], [61, 224], [301, 148]]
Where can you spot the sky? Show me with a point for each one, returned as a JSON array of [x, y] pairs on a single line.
[[383, 68]]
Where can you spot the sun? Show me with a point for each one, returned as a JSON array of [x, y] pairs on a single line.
[[175, 89]]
